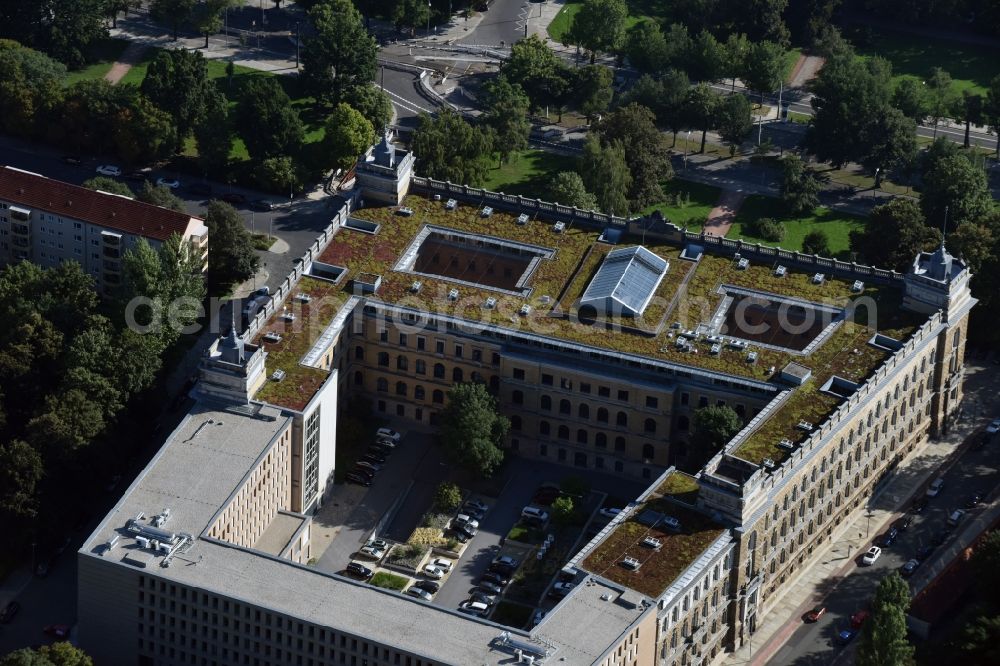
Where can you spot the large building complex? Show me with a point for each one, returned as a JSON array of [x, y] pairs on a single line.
[[47, 222], [601, 339]]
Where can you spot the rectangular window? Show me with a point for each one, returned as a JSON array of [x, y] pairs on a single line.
[[720, 403], [543, 450], [702, 402], [623, 395], [439, 346], [584, 387], [604, 391], [421, 342], [547, 380], [518, 373], [652, 401], [685, 399], [402, 339], [458, 351], [477, 355], [383, 336], [565, 384]]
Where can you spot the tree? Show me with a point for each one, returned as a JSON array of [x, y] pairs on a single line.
[[701, 110], [606, 174], [910, 97], [883, 638], [172, 12], [645, 152], [507, 113], [816, 243], [979, 641], [975, 243], [799, 187], [737, 51], [734, 120], [940, 95], [567, 188], [214, 132], [714, 426], [56, 654], [71, 419], [347, 134], [340, 56], [972, 112], [448, 148], [986, 560], [141, 132], [537, 69], [991, 108], [563, 510], [472, 429], [269, 124], [600, 26], [707, 59], [20, 471], [31, 88], [958, 186], [760, 19], [207, 16], [70, 27], [411, 14], [764, 67], [447, 497], [902, 221], [374, 105], [890, 141], [593, 90], [808, 19], [278, 174], [160, 195], [647, 47], [231, 258], [176, 82], [107, 184]]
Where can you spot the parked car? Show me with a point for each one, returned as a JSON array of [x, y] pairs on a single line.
[[374, 458], [373, 551], [935, 488], [476, 505], [420, 593], [534, 512], [907, 569], [502, 569], [815, 614], [869, 558], [609, 512], [369, 465], [364, 471], [484, 597], [388, 433], [379, 450], [994, 427], [845, 636], [466, 520], [109, 170], [359, 570], [200, 189], [973, 500], [380, 544], [429, 585], [474, 608], [461, 537], [924, 552], [507, 561], [495, 578], [359, 479], [491, 588], [434, 572], [889, 537], [385, 442], [172, 183], [234, 198], [9, 611], [560, 590], [262, 205], [904, 523], [956, 517], [466, 530], [858, 619], [56, 630], [443, 564]]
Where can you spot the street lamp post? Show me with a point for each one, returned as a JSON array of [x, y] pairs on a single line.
[[428, 18], [296, 45], [687, 145], [868, 527], [875, 186]]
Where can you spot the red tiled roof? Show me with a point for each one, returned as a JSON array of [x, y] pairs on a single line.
[[108, 210]]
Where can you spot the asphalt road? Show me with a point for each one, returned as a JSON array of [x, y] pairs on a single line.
[[976, 471], [503, 22]]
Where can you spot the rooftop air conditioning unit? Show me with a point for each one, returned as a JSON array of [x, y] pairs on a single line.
[[752, 357], [271, 336], [780, 271], [303, 298], [559, 227], [487, 211], [631, 563], [858, 286], [818, 278], [278, 375], [415, 287], [522, 219], [768, 463], [453, 295], [651, 542], [743, 264], [525, 310], [786, 444], [450, 204], [491, 303]]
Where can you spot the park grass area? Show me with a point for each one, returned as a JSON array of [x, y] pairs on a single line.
[[261, 242], [835, 224], [971, 66], [561, 24], [103, 55], [686, 204], [527, 173], [788, 63], [389, 581]]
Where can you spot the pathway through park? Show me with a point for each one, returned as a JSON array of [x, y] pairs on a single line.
[[130, 56], [720, 219]]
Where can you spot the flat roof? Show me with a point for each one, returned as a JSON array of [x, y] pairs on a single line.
[[278, 533]]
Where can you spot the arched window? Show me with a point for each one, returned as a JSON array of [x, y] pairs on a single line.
[[622, 419], [382, 384], [647, 452], [402, 363], [359, 378], [546, 402], [601, 440], [476, 378], [517, 397], [619, 443], [650, 425], [602, 415], [383, 359], [456, 375], [359, 353], [418, 392], [563, 432], [437, 397], [515, 422], [401, 388], [544, 428], [565, 407], [583, 411], [683, 423], [438, 371], [581, 436]]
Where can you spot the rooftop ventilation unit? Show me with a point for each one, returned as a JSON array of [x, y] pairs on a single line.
[[288, 316], [631, 563], [650, 542], [805, 425], [415, 287], [670, 523], [858, 287], [303, 298], [716, 349], [160, 519], [737, 344], [559, 227], [278, 375], [743, 264], [487, 211], [152, 533], [450, 204], [525, 310], [453, 295], [818, 278], [544, 300], [780, 271], [752, 357], [768, 463], [271, 336], [491, 303], [522, 219], [786, 444]]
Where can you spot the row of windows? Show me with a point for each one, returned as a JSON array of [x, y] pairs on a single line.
[[457, 351]]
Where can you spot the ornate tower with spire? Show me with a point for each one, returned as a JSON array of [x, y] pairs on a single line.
[[383, 173], [231, 370]]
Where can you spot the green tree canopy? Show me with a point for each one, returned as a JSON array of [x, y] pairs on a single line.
[[954, 183], [339, 56], [600, 26], [816, 242], [563, 510], [347, 134], [214, 133], [883, 637], [910, 97], [714, 426], [903, 222], [207, 16], [472, 429], [70, 27], [567, 188], [411, 14], [160, 195], [976, 244], [799, 186], [108, 184], [31, 88], [701, 110], [174, 13], [592, 90], [734, 120], [537, 69], [373, 104], [891, 140], [267, 121], [647, 47], [507, 113], [278, 174], [979, 641], [447, 497], [448, 148], [606, 174], [56, 654], [764, 67], [645, 152], [231, 258]]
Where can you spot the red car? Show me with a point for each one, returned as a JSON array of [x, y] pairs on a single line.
[[56, 630], [815, 614], [859, 618]]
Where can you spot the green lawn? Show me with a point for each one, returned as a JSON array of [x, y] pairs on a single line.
[[788, 64], [971, 66], [104, 54], [389, 581], [835, 224], [686, 204], [564, 19], [526, 173]]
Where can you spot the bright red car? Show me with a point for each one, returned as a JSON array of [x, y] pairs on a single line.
[[815, 614], [859, 618]]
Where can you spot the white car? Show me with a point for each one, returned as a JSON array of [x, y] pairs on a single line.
[[469, 521], [433, 572], [935, 487], [109, 170], [609, 512], [373, 552], [442, 564], [994, 427], [388, 433], [481, 507], [869, 558], [420, 594], [474, 608], [172, 183]]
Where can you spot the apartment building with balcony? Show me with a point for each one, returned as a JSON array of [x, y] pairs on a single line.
[[47, 222]]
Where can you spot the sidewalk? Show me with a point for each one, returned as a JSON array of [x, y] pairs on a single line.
[[829, 564]]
